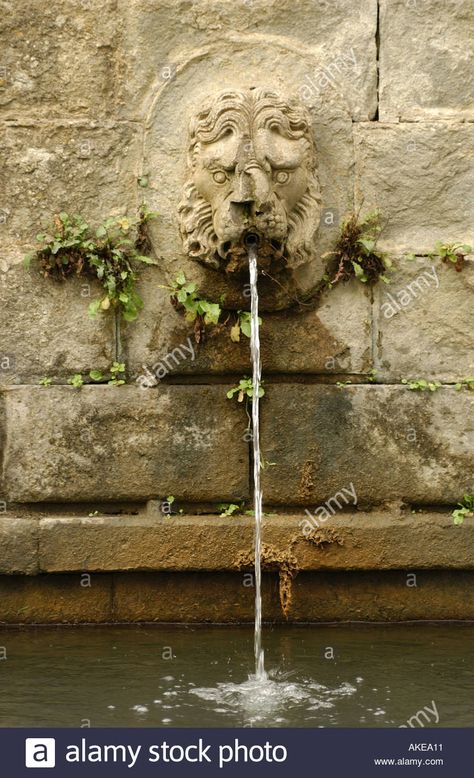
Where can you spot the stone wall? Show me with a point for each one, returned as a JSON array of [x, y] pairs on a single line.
[[95, 101]]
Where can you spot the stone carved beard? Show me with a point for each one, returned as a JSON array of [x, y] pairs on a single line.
[[252, 168]]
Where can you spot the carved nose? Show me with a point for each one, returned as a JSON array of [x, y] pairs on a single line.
[[252, 187], [243, 192]]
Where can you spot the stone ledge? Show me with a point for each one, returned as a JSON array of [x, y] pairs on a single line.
[[223, 598], [360, 541], [18, 546]]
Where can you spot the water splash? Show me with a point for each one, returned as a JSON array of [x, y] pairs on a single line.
[[275, 700], [260, 673]]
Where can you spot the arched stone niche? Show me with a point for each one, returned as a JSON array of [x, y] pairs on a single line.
[[285, 169]]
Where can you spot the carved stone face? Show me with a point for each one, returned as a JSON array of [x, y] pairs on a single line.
[[252, 170]]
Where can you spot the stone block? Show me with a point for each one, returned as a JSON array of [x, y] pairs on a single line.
[[439, 594], [191, 597], [161, 37], [59, 58], [384, 541], [18, 546], [424, 322], [223, 597], [333, 339], [421, 176], [55, 599], [3, 438], [51, 167], [46, 330], [386, 443], [124, 443], [358, 541], [108, 544], [426, 65]]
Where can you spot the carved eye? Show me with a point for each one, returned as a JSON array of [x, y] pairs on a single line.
[[282, 177], [219, 177]]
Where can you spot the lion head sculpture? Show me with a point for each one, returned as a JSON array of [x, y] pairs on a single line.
[[252, 169]]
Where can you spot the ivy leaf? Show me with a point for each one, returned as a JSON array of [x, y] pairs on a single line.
[[369, 245], [130, 314], [213, 313], [93, 309], [359, 273]]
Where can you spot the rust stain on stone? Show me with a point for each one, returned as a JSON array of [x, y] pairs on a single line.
[[274, 560], [324, 537], [305, 489]]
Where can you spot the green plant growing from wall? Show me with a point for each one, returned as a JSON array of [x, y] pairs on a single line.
[[464, 510], [244, 389], [242, 325], [421, 384], [115, 378], [117, 374], [356, 254], [70, 247], [451, 253], [76, 381], [186, 299], [228, 509], [465, 383], [45, 381]]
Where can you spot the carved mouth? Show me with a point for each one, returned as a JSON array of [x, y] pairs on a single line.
[[251, 240], [233, 256]]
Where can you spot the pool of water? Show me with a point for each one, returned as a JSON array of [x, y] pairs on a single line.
[[181, 676]]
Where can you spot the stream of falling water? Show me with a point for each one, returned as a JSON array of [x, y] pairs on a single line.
[[256, 378], [265, 698]]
